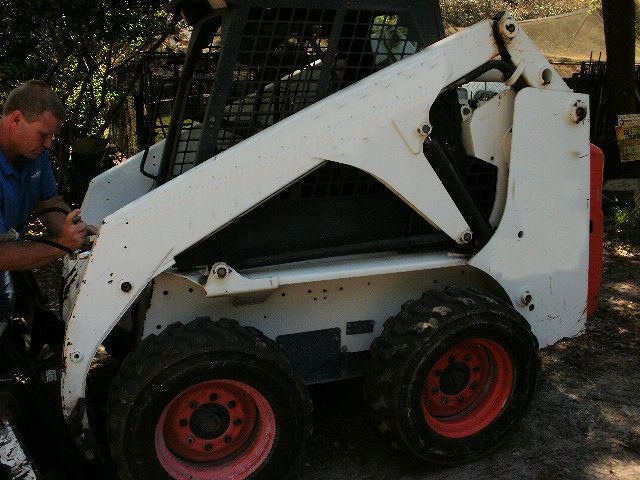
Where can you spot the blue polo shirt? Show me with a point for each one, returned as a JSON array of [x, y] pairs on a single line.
[[21, 189]]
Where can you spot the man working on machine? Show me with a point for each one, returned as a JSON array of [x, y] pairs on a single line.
[[31, 117]]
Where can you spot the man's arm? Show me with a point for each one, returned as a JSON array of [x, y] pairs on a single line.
[[25, 255], [55, 220]]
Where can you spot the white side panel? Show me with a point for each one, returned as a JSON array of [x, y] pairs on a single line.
[[542, 243], [306, 307], [486, 135], [119, 186]]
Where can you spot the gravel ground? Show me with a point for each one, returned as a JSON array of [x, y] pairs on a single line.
[[584, 422]]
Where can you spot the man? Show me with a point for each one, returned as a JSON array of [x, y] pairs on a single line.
[[31, 116]]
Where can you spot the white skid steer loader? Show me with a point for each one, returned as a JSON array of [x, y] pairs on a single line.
[[330, 200]]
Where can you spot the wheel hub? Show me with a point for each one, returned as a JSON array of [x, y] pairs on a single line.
[[467, 388], [209, 421], [455, 378]]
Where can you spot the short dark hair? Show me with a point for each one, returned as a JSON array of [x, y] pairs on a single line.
[[33, 98]]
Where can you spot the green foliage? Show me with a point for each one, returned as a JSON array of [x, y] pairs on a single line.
[[622, 226], [88, 50]]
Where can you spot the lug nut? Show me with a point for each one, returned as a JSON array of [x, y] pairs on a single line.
[[184, 422], [213, 397], [460, 399], [208, 447], [476, 369], [231, 404], [237, 422], [193, 404], [474, 386], [190, 440], [466, 236], [435, 390], [445, 401], [227, 439]]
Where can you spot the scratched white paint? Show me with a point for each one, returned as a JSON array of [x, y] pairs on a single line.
[[12, 455]]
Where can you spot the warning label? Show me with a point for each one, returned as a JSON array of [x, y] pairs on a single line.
[[628, 135]]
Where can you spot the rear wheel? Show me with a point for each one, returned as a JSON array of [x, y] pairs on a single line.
[[207, 400], [451, 374]]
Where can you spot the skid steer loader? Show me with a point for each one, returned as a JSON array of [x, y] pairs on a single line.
[[328, 197]]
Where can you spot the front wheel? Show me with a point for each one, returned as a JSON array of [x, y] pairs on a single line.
[[451, 375], [207, 400]]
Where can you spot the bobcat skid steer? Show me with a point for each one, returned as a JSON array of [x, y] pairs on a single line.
[[332, 199]]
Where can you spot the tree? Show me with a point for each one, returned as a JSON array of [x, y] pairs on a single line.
[[620, 82], [89, 51]]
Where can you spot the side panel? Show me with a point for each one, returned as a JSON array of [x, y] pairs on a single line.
[[596, 229], [486, 135], [120, 186], [304, 307], [542, 243]]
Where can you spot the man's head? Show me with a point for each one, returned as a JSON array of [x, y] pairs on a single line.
[[31, 116]]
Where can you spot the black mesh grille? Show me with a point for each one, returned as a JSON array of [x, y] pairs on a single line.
[[334, 180], [480, 177], [284, 60], [195, 104], [279, 64], [274, 63], [159, 86]]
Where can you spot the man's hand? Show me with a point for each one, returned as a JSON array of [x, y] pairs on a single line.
[[54, 221], [73, 231]]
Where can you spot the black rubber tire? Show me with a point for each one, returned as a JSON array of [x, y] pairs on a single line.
[[415, 339], [184, 355]]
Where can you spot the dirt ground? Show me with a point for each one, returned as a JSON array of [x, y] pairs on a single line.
[[584, 421]]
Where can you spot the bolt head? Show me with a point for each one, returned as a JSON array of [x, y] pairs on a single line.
[[237, 422], [460, 399], [208, 447], [445, 401], [184, 422], [190, 440], [193, 404], [466, 236], [228, 439], [435, 390], [579, 111], [231, 404], [508, 28], [213, 397], [221, 272]]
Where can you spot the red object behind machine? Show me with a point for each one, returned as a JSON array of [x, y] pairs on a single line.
[[596, 230]]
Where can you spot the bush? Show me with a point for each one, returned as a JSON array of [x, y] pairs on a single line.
[[622, 226]]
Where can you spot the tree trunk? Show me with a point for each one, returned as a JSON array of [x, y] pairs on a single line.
[[620, 36]]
